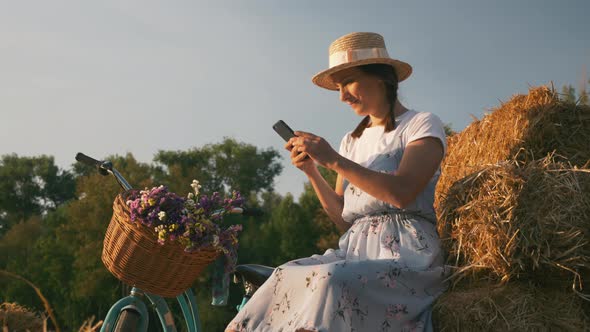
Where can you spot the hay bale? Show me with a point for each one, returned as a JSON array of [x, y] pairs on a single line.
[[511, 307], [506, 215], [512, 221], [15, 317], [525, 128]]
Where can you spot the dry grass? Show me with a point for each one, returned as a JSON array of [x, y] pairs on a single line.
[[90, 326], [511, 307], [14, 317]]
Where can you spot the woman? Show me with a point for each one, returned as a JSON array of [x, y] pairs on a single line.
[[388, 269]]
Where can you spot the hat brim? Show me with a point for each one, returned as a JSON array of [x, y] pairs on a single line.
[[324, 80]]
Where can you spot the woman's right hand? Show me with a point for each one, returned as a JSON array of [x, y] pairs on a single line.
[[301, 160]]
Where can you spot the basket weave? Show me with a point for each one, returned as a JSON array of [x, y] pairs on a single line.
[[132, 254]]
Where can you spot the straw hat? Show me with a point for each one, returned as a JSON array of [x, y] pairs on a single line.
[[355, 49]]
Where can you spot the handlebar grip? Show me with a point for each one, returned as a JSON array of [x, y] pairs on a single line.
[[87, 160]]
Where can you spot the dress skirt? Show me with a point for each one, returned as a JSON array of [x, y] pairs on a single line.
[[385, 276]]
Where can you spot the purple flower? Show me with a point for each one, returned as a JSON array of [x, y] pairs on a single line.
[[194, 224]]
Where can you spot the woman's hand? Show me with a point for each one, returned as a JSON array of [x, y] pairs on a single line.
[[315, 146], [301, 160]]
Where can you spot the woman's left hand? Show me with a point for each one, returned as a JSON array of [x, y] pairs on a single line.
[[316, 147]]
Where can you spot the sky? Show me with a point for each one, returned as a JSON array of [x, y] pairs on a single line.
[[114, 77]]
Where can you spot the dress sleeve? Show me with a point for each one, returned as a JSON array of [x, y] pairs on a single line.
[[426, 125], [345, 145]]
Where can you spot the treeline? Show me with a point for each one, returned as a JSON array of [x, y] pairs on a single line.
[[53, 221]]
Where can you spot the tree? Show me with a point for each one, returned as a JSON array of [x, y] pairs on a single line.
[[327, 233], [449, 130], [569, 94], [258, 238], [31, 186], [17, 243], [296, 232], [41, 258], [229, 165]]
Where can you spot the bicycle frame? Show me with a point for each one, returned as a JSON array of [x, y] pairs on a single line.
[[187, 301]]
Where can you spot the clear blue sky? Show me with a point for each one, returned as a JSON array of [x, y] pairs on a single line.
[[111, 77]]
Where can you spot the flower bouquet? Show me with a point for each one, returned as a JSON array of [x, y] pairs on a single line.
[[159, 241]]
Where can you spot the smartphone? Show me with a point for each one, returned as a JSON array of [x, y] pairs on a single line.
[[283, 130]]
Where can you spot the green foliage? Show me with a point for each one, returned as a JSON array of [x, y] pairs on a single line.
[[449, 130], [31, 186], [218, 167], [569, 94], [17, 248], [327, 233], [291, 232]]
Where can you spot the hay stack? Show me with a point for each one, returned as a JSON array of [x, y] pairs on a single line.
[[513, 203], [511, 221], [526, 128], [512, 307], [503, 209]]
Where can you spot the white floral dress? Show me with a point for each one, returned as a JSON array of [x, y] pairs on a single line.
[[388, 269]]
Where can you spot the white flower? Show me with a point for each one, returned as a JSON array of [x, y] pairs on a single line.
[[162, 215], [190, 196], [196, 186]]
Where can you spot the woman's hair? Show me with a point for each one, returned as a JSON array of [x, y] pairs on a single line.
[[387, 74]]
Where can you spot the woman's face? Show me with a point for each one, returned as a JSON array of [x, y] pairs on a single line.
[[363, 92]]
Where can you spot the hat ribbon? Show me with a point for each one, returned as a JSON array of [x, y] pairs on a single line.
[[349, 55]]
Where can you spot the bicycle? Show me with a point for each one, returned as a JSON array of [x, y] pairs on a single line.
[[131, 313]]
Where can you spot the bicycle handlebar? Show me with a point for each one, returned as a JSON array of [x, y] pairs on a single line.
[[87, 160], [104, 168]]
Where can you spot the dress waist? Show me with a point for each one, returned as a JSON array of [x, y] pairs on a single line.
[[403, 213]]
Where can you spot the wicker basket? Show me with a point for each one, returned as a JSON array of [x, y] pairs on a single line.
[[132, 254]]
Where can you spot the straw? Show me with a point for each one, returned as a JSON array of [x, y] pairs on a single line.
[[528, 221], [512, 307], [527, 127]]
